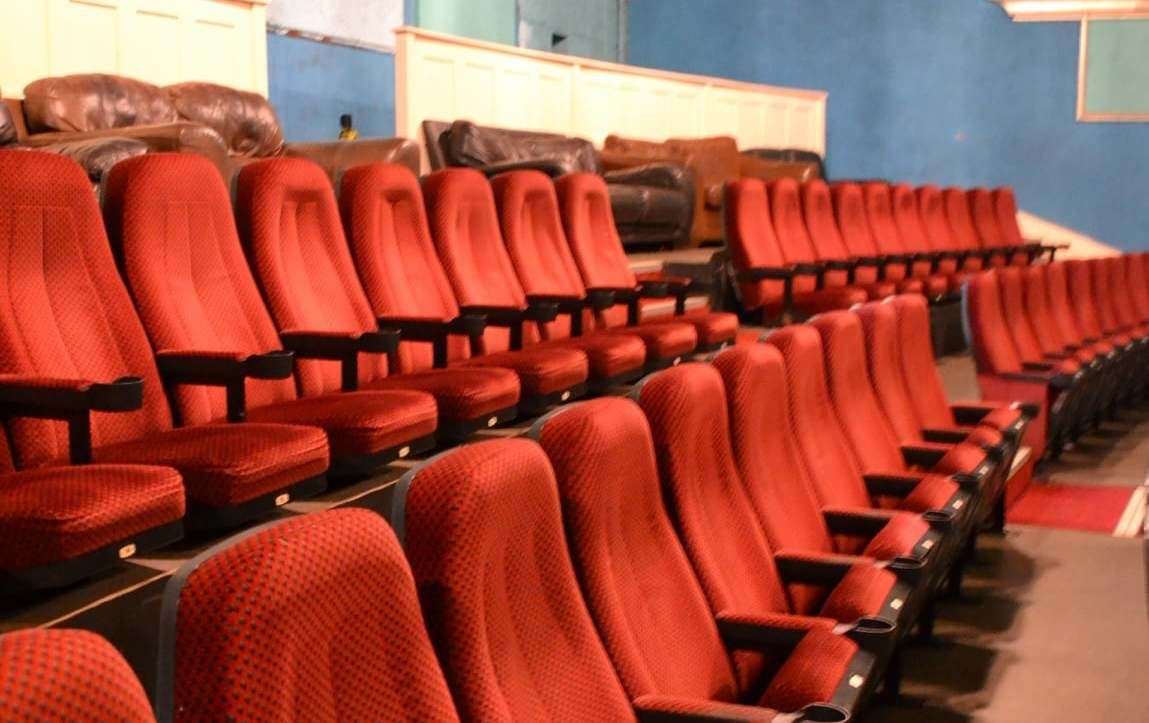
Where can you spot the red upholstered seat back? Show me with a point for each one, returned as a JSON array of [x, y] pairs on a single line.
[[914, 346], [289, 222], [484, 535], [836, 475], [825, 238], [985, 218], [850, 211], [908, 219], [1082, 301], [765, 450], [391, 244], [751, 238], [1138, 283], [637, 580], [1005, 211], [873, 440], [993, 348], [1112, 287], [465, 228], [1035, 295], [789, 225], [884, 361], [934, 222], [686, 406], [1057, 291], [58, 674], [593, 238], [315, 618], [880, 216], [961, 219], [533, 233], [171, 226], [1017, 322], [66, 313]]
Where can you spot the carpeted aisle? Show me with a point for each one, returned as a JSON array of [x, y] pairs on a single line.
[[1090, 508]]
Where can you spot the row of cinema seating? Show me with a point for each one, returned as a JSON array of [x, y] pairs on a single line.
[[222, 378], [748, 539], [801, 248], [1071, 335]]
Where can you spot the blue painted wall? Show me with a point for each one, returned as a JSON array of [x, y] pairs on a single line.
[[949, 91], [311, 84]]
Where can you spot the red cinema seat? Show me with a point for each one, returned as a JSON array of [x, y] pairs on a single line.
[[932, 406], [71, 344], [482, 529], [601, 259], [60, 674], [537, 246], [873, 265], [985, 221], [941, 235], [879, 204], [172, 229], [842, 267], [781, 491], [1042, 320], [294, 241], [938, 259], [1138, 280], [966, 233], [768, 281], [1005, 206], [1021, 329], [645, 599], [312, 618]]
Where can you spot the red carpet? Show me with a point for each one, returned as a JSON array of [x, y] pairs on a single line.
[[1070, 507]]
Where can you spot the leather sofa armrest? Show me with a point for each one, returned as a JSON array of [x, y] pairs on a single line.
[[551, 167], [337, 156], [673, 176], [97, 155], [177, 137]]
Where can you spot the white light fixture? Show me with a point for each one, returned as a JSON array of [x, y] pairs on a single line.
[[1071, 10]]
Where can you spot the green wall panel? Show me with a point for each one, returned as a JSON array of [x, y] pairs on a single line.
[[492, 20], [1117, 67]]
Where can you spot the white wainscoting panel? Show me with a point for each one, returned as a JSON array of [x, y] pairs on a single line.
[[444, 77], [160, 41]]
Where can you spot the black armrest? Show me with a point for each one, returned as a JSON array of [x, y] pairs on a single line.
[[543, 310], [868, 261], [436, 331], [497, 315], [891, 485], [769, 631], [1037, 366], [71, 401], [819, 569], [861, 522], [1034, 378], [945, 436], [921, 455], [344, 347], [765, 273], [621, 295], [564, 304], [808, 269], [224, 369], [599, 299], [653, 289], [841, 264]]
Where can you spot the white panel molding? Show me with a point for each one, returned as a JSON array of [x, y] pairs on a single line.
[[1024, 11], [160, 41], [445, 77], [1080, 245]]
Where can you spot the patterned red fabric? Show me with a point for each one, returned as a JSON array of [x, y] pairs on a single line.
[[693, 707], [986, 220], [62, 281], [1038, 309], [942, 235], [67, 675], [227, 464], [1005, 213], [1019, 325], [889, 381], [880, 217], [993, 348], [899, 536], [584, 203], [172, 228], [290, 225], [825, 238], [484, 535], [1057, 291], [960, 217], [1082, 300], [314, 618], [1138, 284], [1121, 296], [50, 515], [813, 671], [638, 583]]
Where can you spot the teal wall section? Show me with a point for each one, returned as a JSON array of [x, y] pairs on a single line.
[[948, 91], [1117, 71], [492, 20], [590, 27]]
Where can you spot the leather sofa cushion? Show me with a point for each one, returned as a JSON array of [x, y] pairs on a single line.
[[94, 101], [472, 145], [626, 203], [98, 155], [246, 121], [646, 205]]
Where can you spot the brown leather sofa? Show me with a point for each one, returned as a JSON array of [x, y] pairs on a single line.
[[714, 161], [95, 155], [651, 202], [229, 126]]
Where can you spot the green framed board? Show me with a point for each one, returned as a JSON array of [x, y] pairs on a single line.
[[1113, 76]]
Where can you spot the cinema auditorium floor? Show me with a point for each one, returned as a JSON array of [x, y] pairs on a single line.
[[1055, 623]]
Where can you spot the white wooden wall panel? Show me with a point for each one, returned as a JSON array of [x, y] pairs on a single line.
[[160, 41], [444, 77]]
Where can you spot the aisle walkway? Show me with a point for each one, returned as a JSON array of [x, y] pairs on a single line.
[[1056, 626]]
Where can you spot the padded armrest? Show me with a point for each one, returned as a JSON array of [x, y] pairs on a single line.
[[1037, 366], [868, 261], [816, 568], [497, 315], [841, 264], [770, 630], [674, 709], [599, 299], [923, 455], [651, 289], [435, 330], [764, 273], [542, 310], [344, 347], [860, 521], [565, 303], [69, 400], [892, 485], [224, 369], [947, 436]]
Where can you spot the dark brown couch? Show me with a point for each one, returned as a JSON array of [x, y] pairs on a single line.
[[95, 155], [650, 201], [714, 161], [229, 126]]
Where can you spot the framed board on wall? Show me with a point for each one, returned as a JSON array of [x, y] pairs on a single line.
[[1113, 70], [346, 22]]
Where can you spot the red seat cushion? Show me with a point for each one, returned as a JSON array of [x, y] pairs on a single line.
[[67, 675], [461, 394], [663, 339], [899, 537], [541, 370], [226, 465], [609, 355], [932, 492], [861, 593], [358, 423], [713, 327], [54, 514], [813, 671]]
